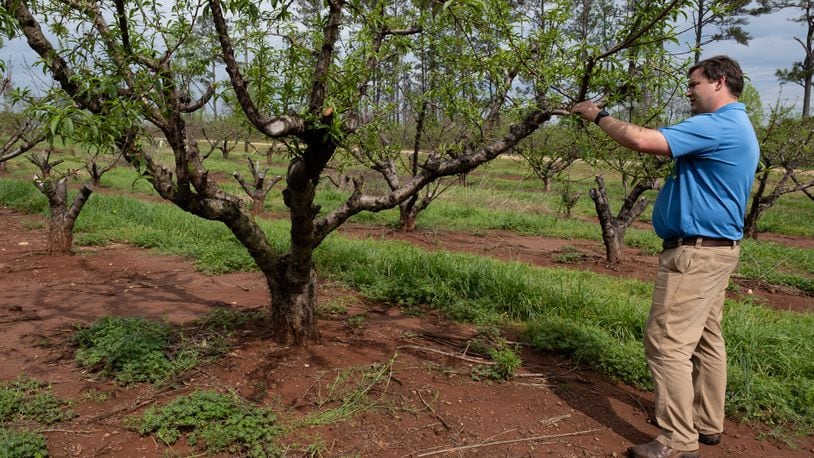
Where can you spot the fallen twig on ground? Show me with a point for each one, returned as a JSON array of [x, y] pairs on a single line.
[[510, 441]]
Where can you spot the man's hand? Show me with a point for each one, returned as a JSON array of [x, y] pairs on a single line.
[[587, 109]]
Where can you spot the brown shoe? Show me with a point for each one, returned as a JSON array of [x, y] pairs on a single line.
[[655, 449], [709, 439]]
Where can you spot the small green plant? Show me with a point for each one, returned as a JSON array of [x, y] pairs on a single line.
[[218, 423], [357, 322], [95, 395], [333, 308], [569, 255], [132, 350], [29, 399], [22, 444], [128, 349], [490, 342], [506, 362], [316, 449]]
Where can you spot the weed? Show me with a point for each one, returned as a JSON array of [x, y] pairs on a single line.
[[413, 310], [127, 349], [506, 360], [22, 444], [132, 350], [218, 423], [29, 399], [350, 391], [226, 320], [333, 308], [357, 322], [95, 395], [316, 449], [569, 255]]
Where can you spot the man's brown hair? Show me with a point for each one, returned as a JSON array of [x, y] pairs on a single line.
[[718, 66]]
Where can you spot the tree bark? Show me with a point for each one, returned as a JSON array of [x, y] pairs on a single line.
[[612, 235], [615, 227], [62, 219]]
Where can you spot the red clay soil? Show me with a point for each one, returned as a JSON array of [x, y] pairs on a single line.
[[430, 405]]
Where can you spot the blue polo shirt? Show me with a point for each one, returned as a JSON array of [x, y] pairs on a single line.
[[715, 157]]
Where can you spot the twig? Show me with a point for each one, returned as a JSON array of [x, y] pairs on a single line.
[[531, 375], [429, 407], [511, 441], [64, 431], [451, 355], [552, 420]]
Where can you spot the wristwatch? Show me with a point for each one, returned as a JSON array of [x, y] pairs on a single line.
[[600, 115]]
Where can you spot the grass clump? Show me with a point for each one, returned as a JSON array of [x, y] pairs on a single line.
[[490, 343], [592, 346], [22, 444], [224, 320], [132, 350], [218, 423], [129, 350], [351, 392], [506, 362], [28, 399]]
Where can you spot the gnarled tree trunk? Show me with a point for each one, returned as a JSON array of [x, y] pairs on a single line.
[[62, 218], [614, 227]]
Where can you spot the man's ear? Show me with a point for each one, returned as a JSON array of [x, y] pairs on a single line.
[[720, 84]]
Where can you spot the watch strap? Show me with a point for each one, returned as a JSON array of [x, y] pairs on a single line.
[[600, 115]]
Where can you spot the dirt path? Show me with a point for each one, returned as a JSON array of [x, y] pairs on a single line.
[[429, 404]]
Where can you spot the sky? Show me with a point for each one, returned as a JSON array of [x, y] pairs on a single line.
[[772, 47]]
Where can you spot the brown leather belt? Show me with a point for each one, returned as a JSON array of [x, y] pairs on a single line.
[[699, 241]]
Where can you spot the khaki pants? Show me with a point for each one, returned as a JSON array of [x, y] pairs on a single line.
[[684, 343]]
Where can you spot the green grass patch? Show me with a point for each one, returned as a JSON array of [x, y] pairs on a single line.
[[25, 399], [131, 350], [22, 444], [215, 422]]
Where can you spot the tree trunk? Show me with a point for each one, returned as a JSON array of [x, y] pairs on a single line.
[[293, 308], [407, 218], [610, 232], [60, 233], [257, 204], [546, 183], [614, 227], [750, 222], [62, 219]]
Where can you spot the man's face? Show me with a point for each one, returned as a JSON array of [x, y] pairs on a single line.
[[702, 92]]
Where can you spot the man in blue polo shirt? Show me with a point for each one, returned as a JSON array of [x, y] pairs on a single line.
[[699, 214]]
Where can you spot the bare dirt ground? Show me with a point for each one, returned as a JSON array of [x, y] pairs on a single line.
[[430, 406]]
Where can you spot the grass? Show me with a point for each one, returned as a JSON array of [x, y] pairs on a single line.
[[219, 423], [22, 444], [131, 349], [351, 392], [26, 400]]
